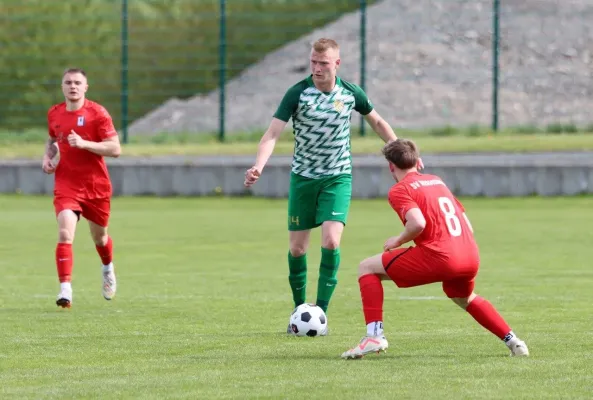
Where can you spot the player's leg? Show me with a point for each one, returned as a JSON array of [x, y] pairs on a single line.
[[332, 213], [67, 215], [370, 274], [97, 213], [302, 198], [461, 291], [406, 267]]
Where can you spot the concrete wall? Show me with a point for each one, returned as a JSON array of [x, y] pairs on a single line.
[[489, 175]]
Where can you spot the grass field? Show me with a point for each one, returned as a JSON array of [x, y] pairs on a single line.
[[203, 304], [10, 149]]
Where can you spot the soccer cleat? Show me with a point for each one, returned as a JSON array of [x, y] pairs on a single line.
[[518, 349], [64, 299], [109, 282], [367, 345]]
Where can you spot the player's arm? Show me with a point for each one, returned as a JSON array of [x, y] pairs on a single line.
[[363, 105], [109, 147], [380, 126], [51, 148], [268, 142], [287, 107], [415, 224]]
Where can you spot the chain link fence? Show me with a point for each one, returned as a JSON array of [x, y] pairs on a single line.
[[221, 66]]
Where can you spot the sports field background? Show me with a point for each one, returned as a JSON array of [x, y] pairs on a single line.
[[203, 302]]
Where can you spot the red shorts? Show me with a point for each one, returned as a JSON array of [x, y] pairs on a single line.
[[95, 210], [416, 266]]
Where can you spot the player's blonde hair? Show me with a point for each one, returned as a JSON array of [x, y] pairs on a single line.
[[74, 70], [403, 153], [324, 44]]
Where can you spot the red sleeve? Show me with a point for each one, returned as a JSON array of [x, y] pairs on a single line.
[[401, 201], [105, 127], [50, 131]]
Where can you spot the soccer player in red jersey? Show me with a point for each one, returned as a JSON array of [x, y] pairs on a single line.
[[445, 251], [84, 133]]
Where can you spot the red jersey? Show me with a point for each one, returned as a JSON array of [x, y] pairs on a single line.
[[448, 230], [81, 174]]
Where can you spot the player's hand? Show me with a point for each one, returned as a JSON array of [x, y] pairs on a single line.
[[251, 176], [74, 140], [391, 243], [48, 165]]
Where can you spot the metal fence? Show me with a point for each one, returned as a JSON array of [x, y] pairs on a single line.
[[186, 65]]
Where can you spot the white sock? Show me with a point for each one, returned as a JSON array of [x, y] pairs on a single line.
[[375, 328], [510, 339], [66, 286], [108, 267]]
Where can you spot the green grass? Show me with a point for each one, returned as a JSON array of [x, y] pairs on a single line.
[[30, 144], [203, 303]]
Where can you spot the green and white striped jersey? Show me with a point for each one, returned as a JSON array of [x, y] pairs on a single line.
[[321, 123]]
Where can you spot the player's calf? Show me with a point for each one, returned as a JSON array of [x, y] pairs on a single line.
[[486, 315]]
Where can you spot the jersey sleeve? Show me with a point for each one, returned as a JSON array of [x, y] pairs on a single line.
[[401, 201], [105, 127], [289, 103]]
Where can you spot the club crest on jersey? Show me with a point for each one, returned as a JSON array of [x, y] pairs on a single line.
[[80, 120], [338, 105]]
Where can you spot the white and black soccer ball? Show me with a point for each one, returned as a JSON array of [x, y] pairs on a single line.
[[308, 320]]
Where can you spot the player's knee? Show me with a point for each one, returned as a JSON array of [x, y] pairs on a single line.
[[100, 238], [365, 268], [463, 302], [331, 243], [65, 236], [297, 249]]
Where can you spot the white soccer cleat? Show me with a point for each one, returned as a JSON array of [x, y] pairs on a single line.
[[109, 282], [518, 349], [64, 299], [367, 345]]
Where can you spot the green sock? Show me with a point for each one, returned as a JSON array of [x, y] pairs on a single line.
[[328, 270], [297, 278]]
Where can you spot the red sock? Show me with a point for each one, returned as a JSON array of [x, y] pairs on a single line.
[[106, 252], [64, 261], [371, 292], [488, 317]]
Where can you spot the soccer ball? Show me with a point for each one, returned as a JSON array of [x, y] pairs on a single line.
[[308, 320]]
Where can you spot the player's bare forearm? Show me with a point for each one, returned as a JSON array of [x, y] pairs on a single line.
[[264, 150], [268, 142], [50, 148], [412, 231], [106, 148], [384, 130], [380, 126]]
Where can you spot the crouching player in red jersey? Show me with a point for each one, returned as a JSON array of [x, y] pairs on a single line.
[[84, 133], [445, 252]]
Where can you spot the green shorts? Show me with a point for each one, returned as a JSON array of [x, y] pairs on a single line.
[[313, 201]]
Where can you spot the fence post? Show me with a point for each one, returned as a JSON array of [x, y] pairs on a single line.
[[495, 69], [222, 70], [124, 69], [363, 31]]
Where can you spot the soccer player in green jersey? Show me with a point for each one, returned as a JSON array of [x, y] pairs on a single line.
[[321, 174]]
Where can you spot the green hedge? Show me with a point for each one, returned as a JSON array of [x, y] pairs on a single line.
[[173, 48]]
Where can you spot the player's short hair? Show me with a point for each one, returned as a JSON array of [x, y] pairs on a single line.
[[74, 71], [323, 44], [403, 153]]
